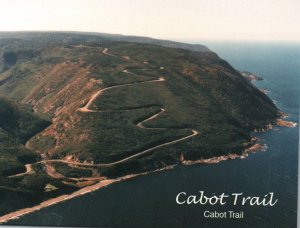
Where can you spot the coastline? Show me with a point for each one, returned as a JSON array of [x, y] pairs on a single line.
[[19, 213], [104, 183], [284, 123], [255, 147], [22, 212], [214, 160]]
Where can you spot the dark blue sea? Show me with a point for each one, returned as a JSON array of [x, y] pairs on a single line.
[[149, 201]]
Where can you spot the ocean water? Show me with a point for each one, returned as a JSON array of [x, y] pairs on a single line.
[[149, 201]]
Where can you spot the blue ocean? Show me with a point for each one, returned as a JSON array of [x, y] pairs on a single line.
[[149, 201]]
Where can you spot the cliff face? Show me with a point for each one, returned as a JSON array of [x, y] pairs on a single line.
[[200, 91]]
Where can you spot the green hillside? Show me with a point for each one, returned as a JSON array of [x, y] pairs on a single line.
[[161, 102], [17, 125]]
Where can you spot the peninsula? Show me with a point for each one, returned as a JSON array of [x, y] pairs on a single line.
[[81, 111]]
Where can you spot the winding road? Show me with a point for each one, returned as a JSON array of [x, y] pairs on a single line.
[[86, 109], [28, 170], [141, 125], [97, 94]]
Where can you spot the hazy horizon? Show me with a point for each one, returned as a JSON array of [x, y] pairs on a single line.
[[244, 20], [190, 41]]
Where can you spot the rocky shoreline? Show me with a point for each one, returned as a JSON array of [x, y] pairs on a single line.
[[255, 144], [255, 147], [104, 183], [250, 76], [284, 123]]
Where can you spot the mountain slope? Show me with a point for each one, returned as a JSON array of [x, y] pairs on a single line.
[[114, 108], [17, 125], [201, 91]]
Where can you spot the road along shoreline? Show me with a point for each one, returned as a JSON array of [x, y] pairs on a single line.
[[104, 183]]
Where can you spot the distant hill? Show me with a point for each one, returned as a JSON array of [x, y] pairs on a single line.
[[90, 37]]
